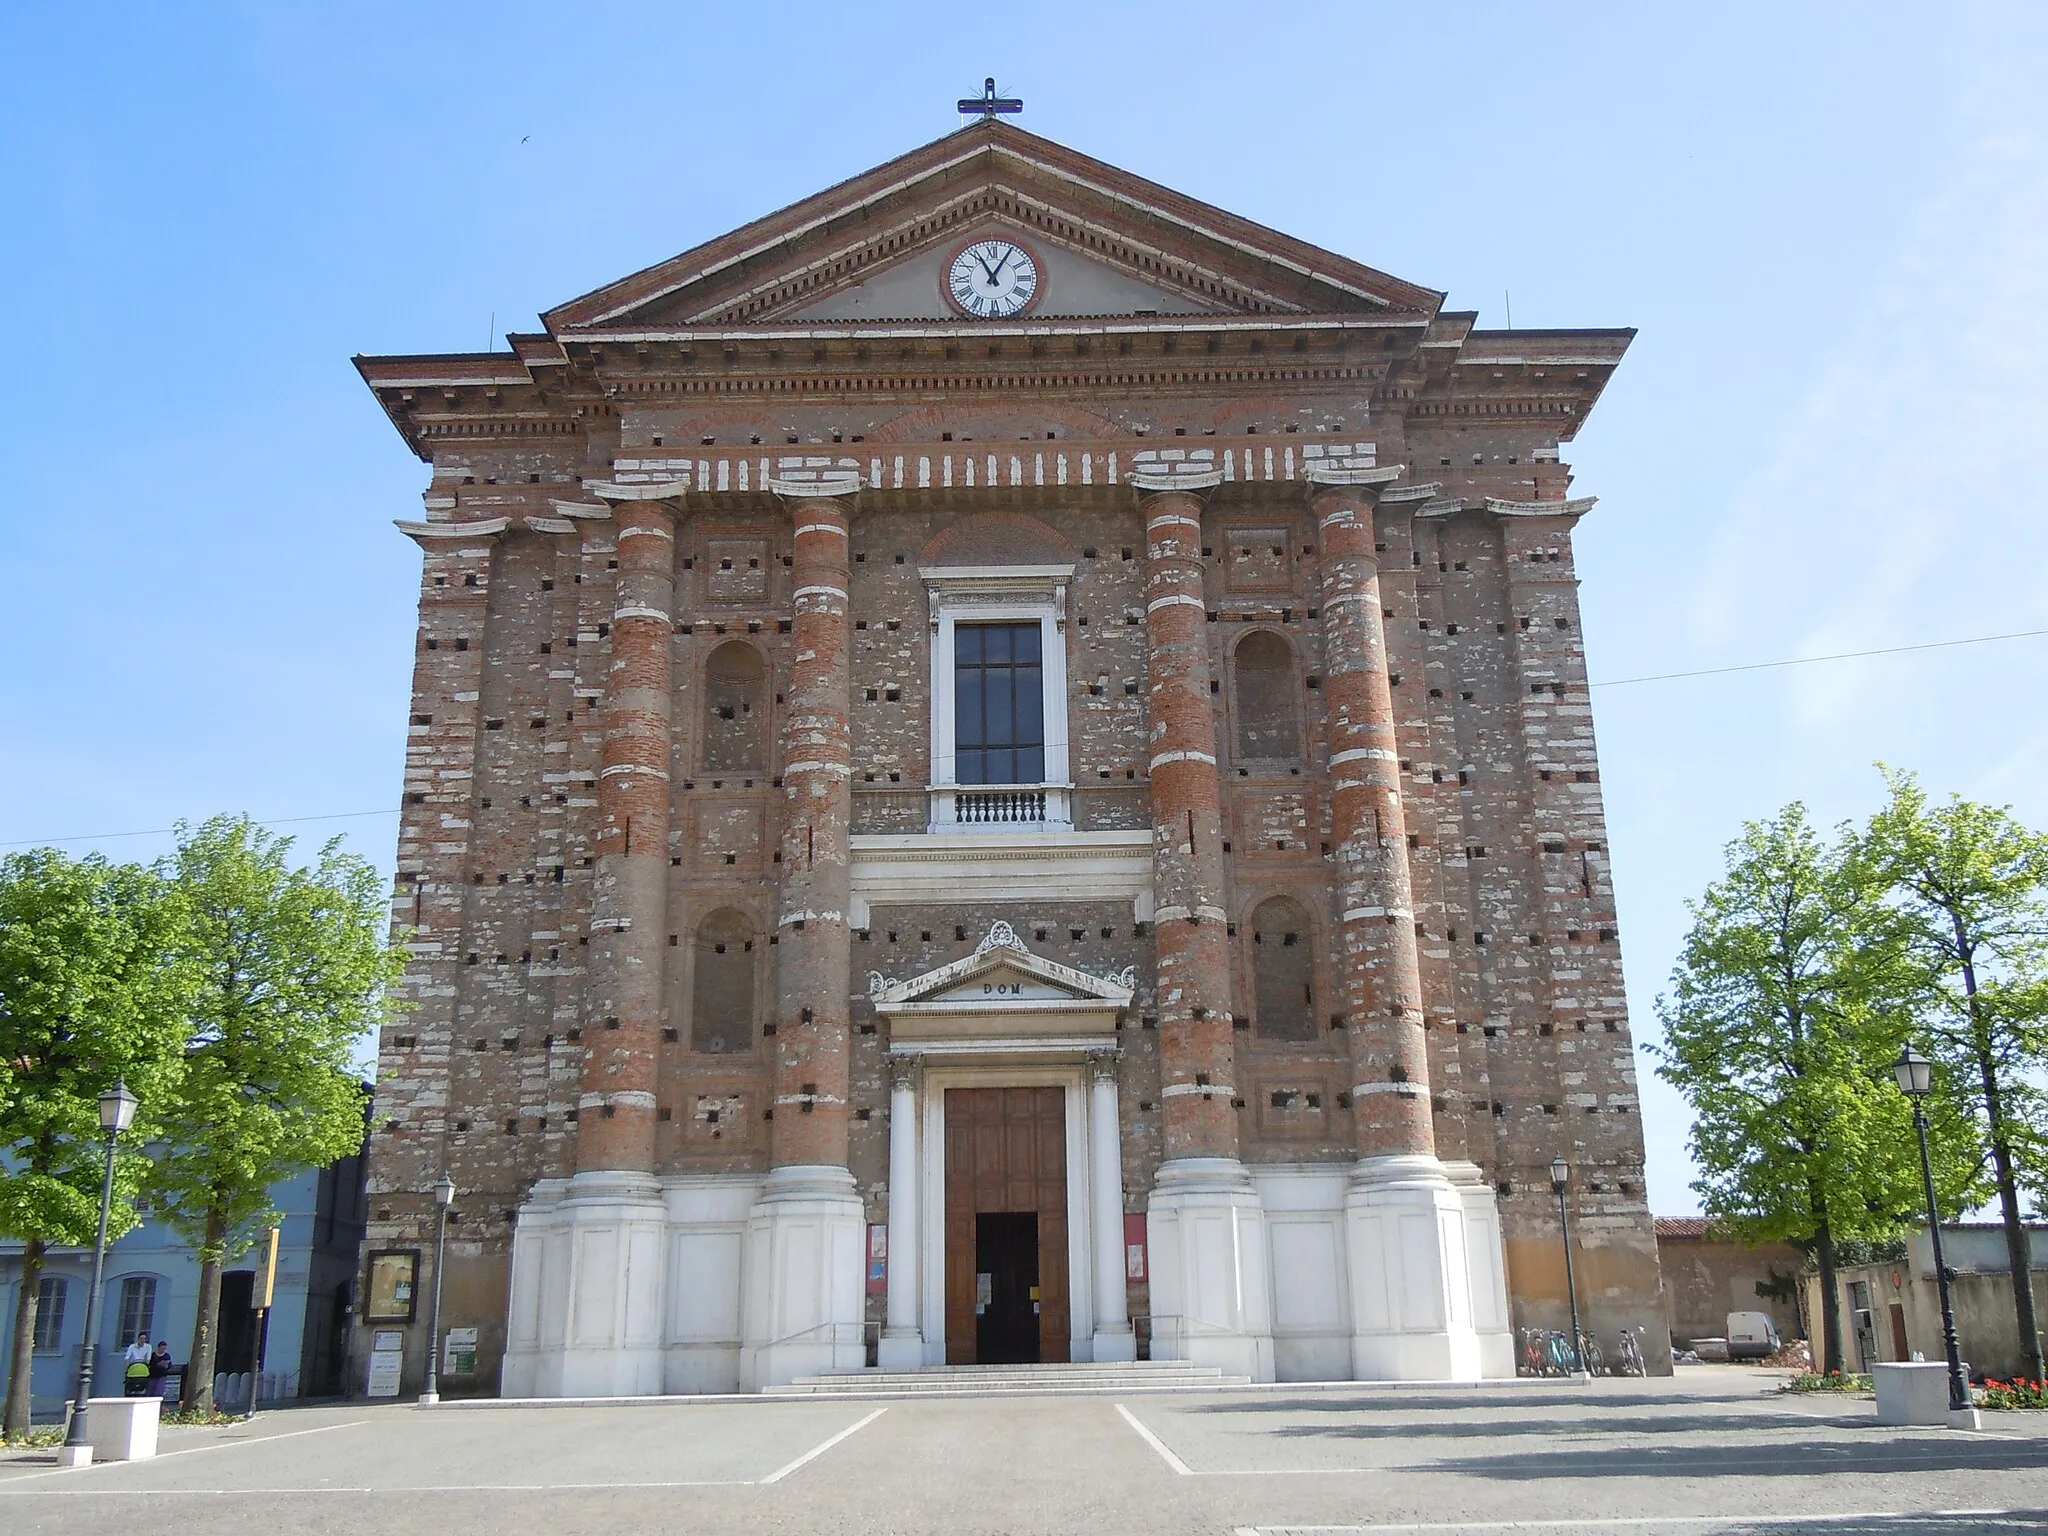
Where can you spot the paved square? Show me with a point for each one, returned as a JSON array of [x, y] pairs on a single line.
[[1710, 1453]]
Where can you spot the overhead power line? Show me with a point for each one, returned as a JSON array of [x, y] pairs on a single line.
[[1612, 682]]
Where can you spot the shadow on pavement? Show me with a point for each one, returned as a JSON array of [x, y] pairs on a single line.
[[1774, 1458]]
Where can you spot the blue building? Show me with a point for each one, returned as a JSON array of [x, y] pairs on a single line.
[[152, 1286]]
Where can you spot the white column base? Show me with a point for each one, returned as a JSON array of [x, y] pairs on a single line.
[[901, 1351], [1488, 1269], [1207, 1238], [1411, 1287], [804, 1292], [588, 1271], [1114, 1347]]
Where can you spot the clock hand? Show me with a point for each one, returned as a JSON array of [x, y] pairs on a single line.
[[987, 271]]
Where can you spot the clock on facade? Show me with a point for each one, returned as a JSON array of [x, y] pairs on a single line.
[[992, 279]]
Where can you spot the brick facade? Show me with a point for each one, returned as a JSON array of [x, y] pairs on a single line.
[[1321, 641]]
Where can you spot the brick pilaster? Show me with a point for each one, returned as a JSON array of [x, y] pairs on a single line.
[[1379, 977], [812, 1073], [622, 1042], [1196, 1051]]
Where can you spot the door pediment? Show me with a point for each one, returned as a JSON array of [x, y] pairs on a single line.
[[1001, 994]]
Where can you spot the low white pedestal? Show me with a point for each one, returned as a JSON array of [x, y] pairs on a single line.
[[118, 1429], [1488, 1269], [1916, 1392], [1206, 1234], [1411, 1286], [588, 1270], [804, 1302]]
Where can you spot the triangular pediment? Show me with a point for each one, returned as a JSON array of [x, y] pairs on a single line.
[[1000, 973], [873, 250]]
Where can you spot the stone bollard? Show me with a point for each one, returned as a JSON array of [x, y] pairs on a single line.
[[1916, 1392]]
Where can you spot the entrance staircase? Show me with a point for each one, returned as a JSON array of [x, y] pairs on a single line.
[[1016, 1381]]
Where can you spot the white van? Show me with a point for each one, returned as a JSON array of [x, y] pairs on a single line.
[[1751, 1336]]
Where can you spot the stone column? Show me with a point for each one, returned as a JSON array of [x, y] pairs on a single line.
[[590, 1249], [629, 919], [1114, 1338], [806, 1295], [1411, 1290], [1208, 1306], [902, 1345]]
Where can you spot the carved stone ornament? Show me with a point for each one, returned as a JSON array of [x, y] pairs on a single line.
[[1127, 978], [1002, 936], [877, 983]]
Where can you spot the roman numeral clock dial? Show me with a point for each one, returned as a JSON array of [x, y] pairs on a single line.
[[992, 279]]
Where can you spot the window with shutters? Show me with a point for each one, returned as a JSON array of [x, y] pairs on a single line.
[[722, 990], [1283, 971]]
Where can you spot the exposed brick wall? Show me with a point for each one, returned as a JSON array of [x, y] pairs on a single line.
[[1524, 1046]]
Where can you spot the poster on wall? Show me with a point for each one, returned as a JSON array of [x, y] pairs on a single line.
[[387, 1362], [393, 1279], [458, 1354]]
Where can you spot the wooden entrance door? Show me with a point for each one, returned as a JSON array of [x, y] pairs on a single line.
[[1006, 1151]]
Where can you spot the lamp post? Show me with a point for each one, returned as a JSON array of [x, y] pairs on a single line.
[[444, 1196], [1560, 1181], [1915, 1074], [117, 1112]]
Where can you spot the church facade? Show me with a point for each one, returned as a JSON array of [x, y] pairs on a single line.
[[1000, 769]]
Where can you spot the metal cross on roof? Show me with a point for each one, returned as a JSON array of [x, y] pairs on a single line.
[[988, 103]]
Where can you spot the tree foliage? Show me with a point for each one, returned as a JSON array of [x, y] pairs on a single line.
[[1969, 886], [291, 966], [92, 989], [1785, 1016]]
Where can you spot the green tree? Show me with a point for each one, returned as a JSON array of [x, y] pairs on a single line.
[[292, 967], [1780, 1030], [87, 995], [1971, 883]]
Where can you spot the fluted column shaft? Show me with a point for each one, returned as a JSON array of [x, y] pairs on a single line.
[[622, 1041], [1197, 1065], [1381, 979], [812, 1068]]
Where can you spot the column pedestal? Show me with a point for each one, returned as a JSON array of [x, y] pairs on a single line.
[[588, 1269], [805, 1292], [1488, 1269], [1207, 1236], [1411, 1286]]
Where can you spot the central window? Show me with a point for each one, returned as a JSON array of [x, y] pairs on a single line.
[[999, 698], [998, 704]]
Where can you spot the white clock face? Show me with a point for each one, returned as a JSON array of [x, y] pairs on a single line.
[[993, 279]]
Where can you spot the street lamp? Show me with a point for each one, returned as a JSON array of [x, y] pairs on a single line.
[[444, 1196], [1560, 1181], [117, 1112], [1916, 1080]]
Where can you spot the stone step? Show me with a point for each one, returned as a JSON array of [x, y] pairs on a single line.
[[1017, 1380]]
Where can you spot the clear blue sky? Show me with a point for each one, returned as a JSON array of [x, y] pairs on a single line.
[[1829, 222]]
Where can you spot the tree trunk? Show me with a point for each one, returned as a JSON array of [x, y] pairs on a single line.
[[15, 1420], [206, 1328], [2018, 1254], [1830, 1303]]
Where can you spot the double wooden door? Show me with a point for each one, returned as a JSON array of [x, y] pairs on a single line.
[[1006, 1159]]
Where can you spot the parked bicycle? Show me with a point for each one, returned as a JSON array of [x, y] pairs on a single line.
[[1630, 1360]]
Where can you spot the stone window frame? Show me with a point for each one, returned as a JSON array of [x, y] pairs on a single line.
[[1000, 594]]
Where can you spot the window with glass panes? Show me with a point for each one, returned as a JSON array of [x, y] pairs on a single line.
[[138, 1308], [50, 1294], [998, 704]]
